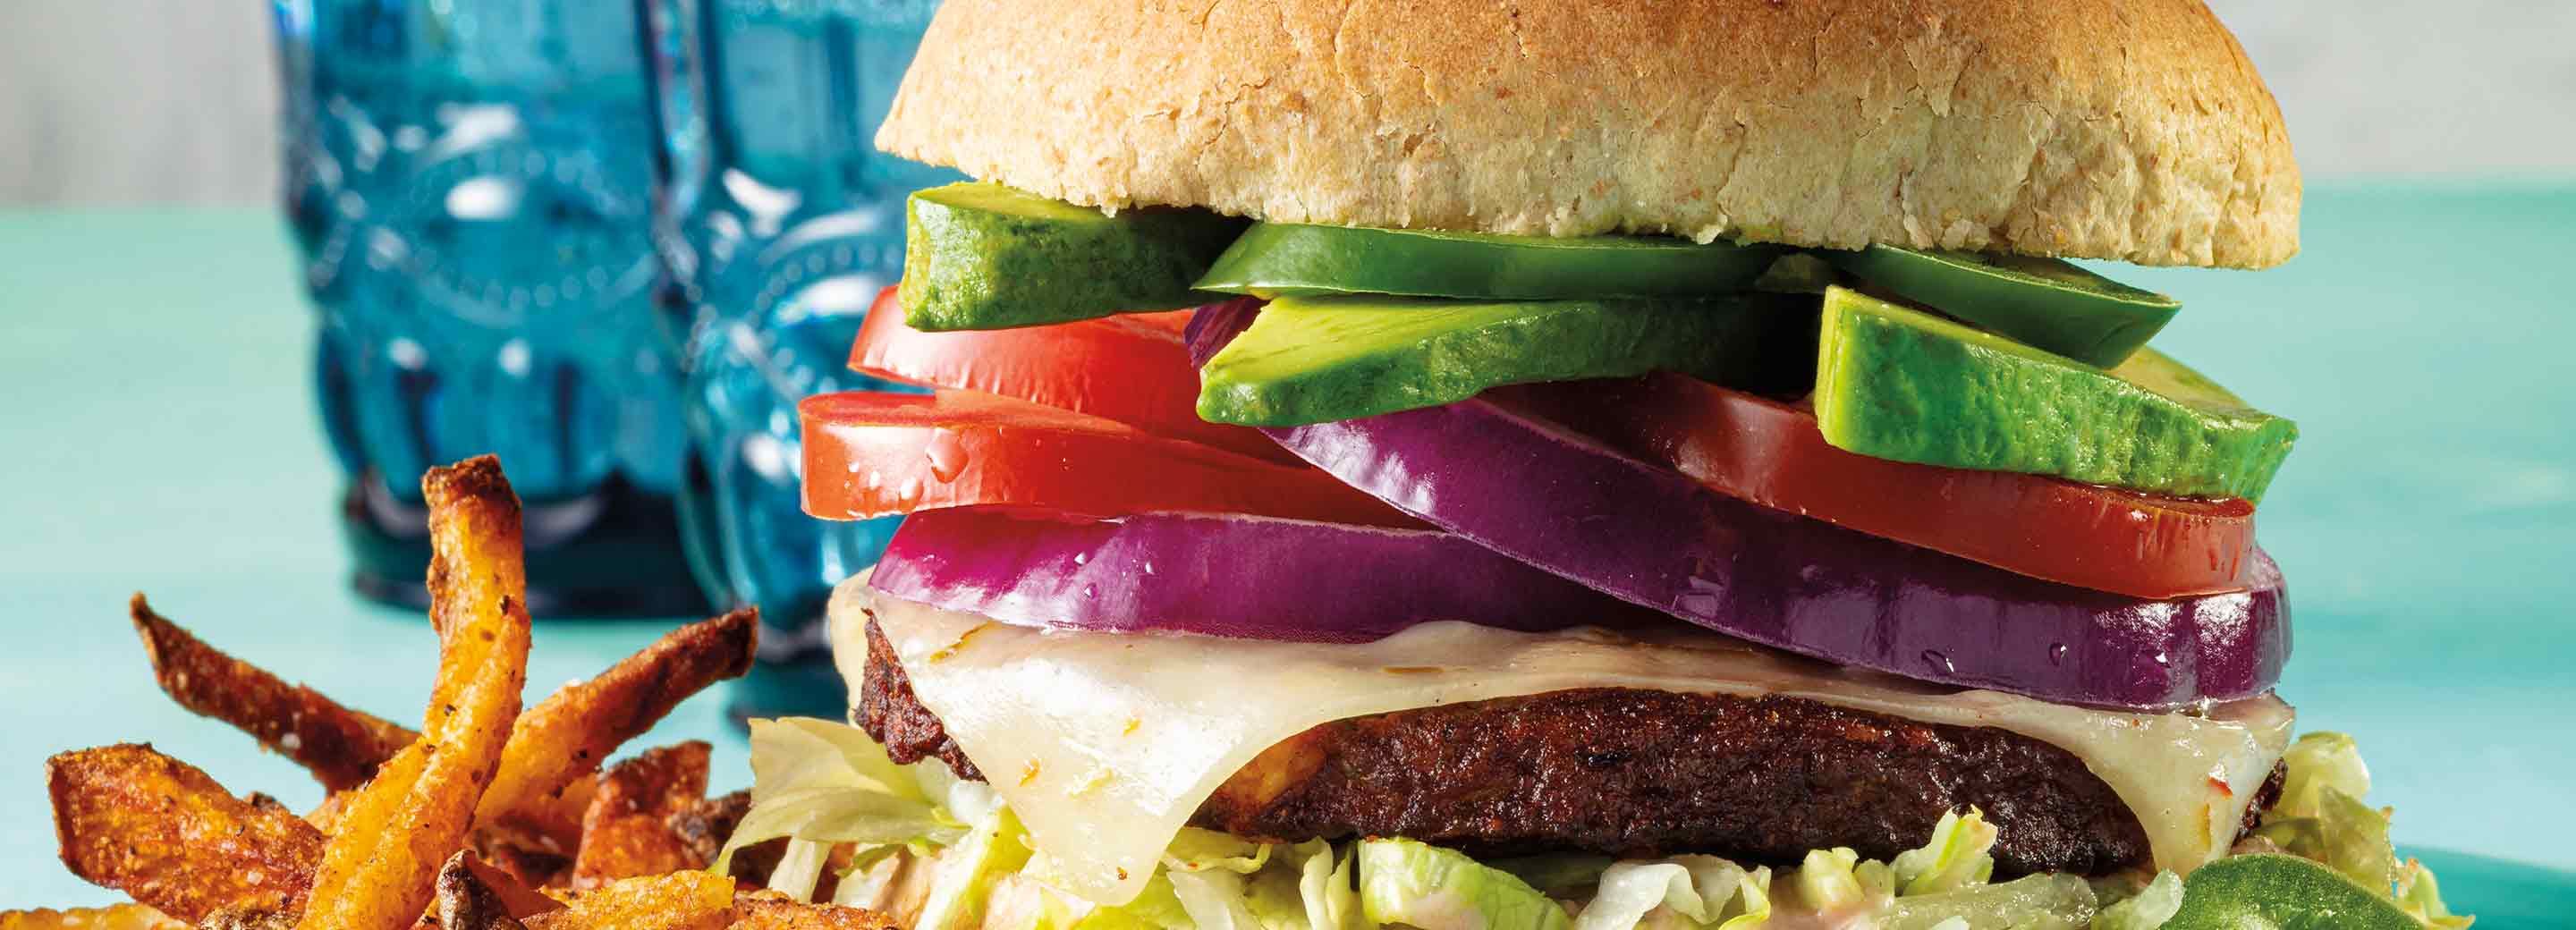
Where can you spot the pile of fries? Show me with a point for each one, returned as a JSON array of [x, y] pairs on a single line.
[[487, 818]]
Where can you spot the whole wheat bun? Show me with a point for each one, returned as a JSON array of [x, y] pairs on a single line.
[[2117, 129]]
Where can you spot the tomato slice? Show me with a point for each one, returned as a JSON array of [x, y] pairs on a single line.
[[873, 454], [1770, 453], [1132, 368]]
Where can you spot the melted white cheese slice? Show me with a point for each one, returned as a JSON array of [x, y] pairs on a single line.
[[1104, 744]]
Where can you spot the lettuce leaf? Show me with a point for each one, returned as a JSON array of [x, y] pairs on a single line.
[[1569, 876], [800, 868], [1756, 906], [1957, 856], [1696, 889], [2032, 902], [1431, 888], [2148, 909], [1329, 886], [2321, 817], [822, 782], [1832, 881], [1196, 850], [1214, 898], [2420, 896], [1276, 894], [2316, 762], [970, 868], [893, 880]]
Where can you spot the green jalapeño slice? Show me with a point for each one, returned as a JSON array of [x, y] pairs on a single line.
[[2041, 302], [2275, 892], [1297, 260]]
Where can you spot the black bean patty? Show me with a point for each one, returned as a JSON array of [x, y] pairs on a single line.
[[1630, 772]]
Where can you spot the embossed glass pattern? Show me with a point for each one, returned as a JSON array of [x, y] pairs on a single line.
[[780, 222], [467, 181]]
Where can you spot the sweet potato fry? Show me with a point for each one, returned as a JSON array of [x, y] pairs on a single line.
[[377, 872], [267, 802], [524, 860], [517, 897], [767, 911], [247, 919], [158, 829], [571, 732], [471, 897], [340, 746], [119, 917], [706, 825], [690, 900], [627, 832], [555, 817], [326, 815]]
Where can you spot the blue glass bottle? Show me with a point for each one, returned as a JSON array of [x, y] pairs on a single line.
[[780, 222], [468, 183]]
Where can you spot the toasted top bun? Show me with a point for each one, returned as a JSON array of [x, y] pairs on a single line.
[[2116, 129]]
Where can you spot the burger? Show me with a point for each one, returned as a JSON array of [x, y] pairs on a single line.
[[1469, 464]]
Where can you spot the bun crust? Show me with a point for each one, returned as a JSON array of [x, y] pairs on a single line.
[[2133, 130]]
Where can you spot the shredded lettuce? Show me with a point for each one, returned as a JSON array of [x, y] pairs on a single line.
[[1021, 901], [1214, 898], [823, 782], [949, 854], [2031, 902], [2321, 816], [2315, 762], [1208, 872], [1157, 905], [1431, 888], [2148, 909], [2420, 896], [1957, 857], [1757, 902], [1196, 850], [1329, 886], [1834, 881], [1564, 876], [891, 879], [1276, 894], [969, 869], [800, 868], [1692, 891]]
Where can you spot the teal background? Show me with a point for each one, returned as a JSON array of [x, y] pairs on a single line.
[[157, 433]]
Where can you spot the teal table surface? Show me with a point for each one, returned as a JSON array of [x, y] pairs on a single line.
[[157, 434]]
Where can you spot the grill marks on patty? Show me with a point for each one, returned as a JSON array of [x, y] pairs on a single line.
[[1631, 772]]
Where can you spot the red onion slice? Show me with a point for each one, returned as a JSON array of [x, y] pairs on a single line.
[[1230, 575]]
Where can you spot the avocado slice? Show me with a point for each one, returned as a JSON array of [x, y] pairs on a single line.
[[2275, 892], [1902, 384], [1299, 260], [1318, 359], [2041, 302], [983, 256]]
